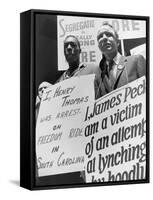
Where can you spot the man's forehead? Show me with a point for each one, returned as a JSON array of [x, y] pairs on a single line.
[[70, 39], [106, 28]]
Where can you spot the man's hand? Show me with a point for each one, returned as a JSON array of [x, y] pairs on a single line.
[[42, 87]]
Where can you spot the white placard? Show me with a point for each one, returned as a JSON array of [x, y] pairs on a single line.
[[59, 134], [115, 132]]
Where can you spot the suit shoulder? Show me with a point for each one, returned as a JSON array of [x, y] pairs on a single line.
[[135, 57]]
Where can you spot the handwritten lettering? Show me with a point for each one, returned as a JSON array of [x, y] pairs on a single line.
[[46, 118], [75, 132], [47, 164], [68, 113], [59, 91], [62, 161], [69, 101], [49, 138]]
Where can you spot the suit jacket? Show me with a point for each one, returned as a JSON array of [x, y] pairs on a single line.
[[128, 69]]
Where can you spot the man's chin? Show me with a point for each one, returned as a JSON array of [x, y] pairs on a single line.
[[108, 51], [70, 59]]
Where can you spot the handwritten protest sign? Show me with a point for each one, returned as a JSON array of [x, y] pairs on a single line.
[[115, 132], [59, 134], [86, 28]]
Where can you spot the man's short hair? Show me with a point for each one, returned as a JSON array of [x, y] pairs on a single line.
[[74, 38], [108, 24]]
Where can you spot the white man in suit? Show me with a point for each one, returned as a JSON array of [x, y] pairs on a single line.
[[116, 70]]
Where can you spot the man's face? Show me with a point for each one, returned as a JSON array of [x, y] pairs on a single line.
[[107, 40], [71, 50]]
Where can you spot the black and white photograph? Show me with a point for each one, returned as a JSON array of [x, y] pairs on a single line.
[[76, 100], [90, 86]]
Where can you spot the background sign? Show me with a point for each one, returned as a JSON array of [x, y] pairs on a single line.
[[86, 28]]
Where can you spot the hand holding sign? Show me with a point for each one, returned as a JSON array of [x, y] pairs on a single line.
[[59, 133]]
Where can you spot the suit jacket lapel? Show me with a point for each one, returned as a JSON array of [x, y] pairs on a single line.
[[120, 69], [105, 79], [107, 84], [120, 76]]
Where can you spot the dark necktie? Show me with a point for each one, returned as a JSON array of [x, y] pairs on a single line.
[[110, 76]]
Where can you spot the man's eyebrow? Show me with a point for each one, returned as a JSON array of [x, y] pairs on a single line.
[[69, 43], [99, 35], [105, 32]]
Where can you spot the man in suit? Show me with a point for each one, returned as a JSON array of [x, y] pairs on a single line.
[[116, 70]]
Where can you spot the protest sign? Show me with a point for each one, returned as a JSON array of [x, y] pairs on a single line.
[[115, 132], [59, 133], [86, 28]]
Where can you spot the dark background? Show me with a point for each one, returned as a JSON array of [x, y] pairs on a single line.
[[46, 49]]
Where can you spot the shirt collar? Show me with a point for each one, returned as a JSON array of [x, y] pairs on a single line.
[[117, 58], [81, 66]]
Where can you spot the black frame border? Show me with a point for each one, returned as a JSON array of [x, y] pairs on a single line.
[[27, 98]]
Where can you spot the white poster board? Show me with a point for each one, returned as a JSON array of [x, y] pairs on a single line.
[[59, 134], [115, 132]]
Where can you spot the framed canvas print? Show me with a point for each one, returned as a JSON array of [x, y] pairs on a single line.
[[84, 99]]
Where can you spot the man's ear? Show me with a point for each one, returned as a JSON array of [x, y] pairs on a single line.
[[118, 43], [99, 46]]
